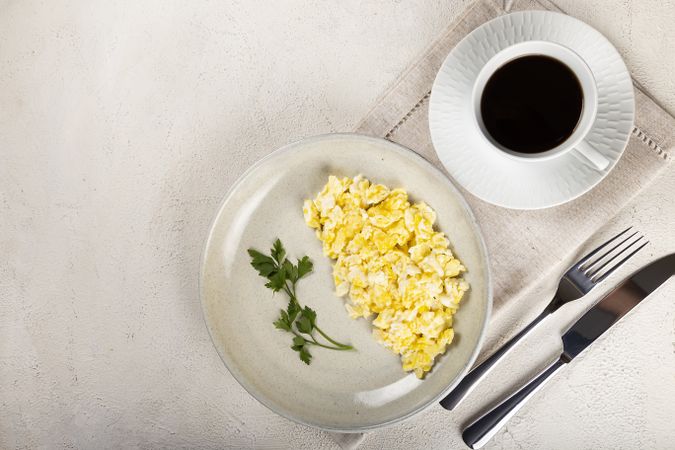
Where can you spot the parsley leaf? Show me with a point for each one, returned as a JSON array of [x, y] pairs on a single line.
[[305, 266], [300, 346], [310, 314], [293, 309], [283, 322], [298, 343], [307, 321], [277, 280], [304, 325], [291, 271], [305, 356], [262, 263], [278, 252]]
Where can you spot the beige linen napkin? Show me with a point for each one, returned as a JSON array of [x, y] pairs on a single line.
[[524, 246]]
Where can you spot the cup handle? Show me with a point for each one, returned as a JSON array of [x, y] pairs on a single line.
[[592, 155]]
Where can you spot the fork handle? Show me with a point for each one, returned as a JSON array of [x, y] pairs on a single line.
[[470, 381], [482, 430]]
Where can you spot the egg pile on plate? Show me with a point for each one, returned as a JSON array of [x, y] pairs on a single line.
[[392, 264]]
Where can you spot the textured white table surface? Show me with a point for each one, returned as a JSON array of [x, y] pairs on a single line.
[[122, 124]]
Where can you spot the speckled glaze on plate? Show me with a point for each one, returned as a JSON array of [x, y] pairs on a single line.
[[339, 391], [519, 183]]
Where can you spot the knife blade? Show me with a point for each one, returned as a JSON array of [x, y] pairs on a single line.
[[615, 305], [576, 339]]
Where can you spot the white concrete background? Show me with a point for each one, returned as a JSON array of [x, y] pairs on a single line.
[[122, 124]]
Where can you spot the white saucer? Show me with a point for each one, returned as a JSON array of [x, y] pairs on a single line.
[[519, 183]]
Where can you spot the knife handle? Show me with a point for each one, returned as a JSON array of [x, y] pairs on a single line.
[[471, 379], [482, 430]]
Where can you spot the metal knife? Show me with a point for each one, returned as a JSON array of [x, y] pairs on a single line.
[[583, 333]]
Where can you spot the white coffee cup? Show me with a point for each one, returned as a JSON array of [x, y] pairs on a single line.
[[577, 141]]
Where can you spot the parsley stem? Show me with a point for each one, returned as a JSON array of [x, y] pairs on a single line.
[[288, 291], [316, 327], [315, 342], [328, 346], [338, 346]]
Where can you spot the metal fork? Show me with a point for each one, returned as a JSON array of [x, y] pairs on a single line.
[[578, 281]]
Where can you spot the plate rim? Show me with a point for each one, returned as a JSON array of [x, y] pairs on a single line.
[[472, 219], [587, 188]]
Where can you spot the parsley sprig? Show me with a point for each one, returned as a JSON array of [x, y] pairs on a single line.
[[283, 275]]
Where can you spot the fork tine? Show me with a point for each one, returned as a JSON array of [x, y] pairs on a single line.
[[583, 260], [588, 268], [591, 273], [619, 264]]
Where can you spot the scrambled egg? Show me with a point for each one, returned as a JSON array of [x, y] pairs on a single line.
[[392, 264]]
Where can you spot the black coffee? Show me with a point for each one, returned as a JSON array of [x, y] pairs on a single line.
[[532, 104]]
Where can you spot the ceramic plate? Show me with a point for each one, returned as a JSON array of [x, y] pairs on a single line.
[[518, 183], [341, 391]]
